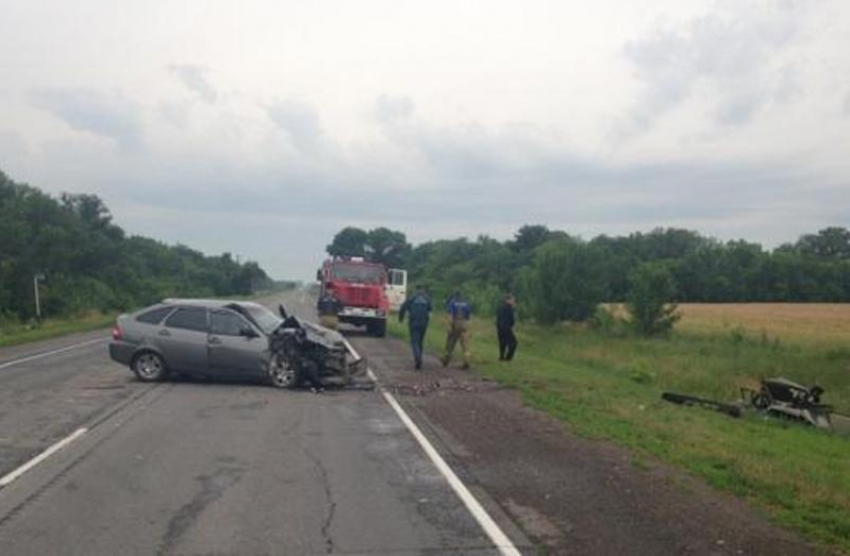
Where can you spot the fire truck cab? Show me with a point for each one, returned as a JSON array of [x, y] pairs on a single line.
[[359, 288], [396, 287]]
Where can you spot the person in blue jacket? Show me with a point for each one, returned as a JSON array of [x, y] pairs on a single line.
[[418, 306]]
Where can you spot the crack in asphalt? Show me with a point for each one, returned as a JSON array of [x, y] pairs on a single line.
[[331, 511], [213, 486]]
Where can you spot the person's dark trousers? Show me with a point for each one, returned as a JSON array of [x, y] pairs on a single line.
[[507, 342], [417, 336], [310, 375]]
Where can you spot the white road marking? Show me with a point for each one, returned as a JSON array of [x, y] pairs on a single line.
[[9, 478], [497, 536], [52, 352]]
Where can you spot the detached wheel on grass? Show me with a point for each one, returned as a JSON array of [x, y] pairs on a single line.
[[149, 367], [282, 373]]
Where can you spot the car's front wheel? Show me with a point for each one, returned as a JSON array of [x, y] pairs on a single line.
[[282, 373], [149, 367]]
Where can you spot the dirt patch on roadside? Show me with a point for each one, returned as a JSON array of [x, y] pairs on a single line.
[[441, 386], [569, 494]]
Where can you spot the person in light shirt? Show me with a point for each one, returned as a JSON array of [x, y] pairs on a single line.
[[460, 311]]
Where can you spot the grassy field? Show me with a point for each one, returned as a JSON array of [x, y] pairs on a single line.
[[609, 384]]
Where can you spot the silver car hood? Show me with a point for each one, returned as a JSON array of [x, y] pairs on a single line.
[[317, 334]]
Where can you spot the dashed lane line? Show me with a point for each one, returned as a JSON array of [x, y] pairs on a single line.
[[51, 352], [10, 477]]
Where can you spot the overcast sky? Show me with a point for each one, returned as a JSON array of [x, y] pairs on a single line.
[[264, 127]]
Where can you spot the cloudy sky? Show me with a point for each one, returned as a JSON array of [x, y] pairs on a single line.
[[263, 127]]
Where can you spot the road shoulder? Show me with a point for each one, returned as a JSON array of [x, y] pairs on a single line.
[[571, 495]]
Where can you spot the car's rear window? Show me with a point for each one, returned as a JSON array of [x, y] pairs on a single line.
[[154, 316], [190, 318]]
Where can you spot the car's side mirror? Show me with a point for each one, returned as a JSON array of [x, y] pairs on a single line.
[[248, 332], [282, 310]]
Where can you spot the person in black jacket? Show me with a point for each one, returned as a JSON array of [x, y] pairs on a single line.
[[328, 308], [505, 317]]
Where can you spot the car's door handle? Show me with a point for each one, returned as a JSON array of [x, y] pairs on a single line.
[[164, 333], [214, 340]]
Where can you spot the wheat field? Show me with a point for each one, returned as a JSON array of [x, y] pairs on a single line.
[[826, 324]]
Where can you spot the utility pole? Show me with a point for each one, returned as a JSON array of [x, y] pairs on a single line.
[[35, 279]]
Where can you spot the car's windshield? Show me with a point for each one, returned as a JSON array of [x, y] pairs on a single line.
[[363, 274], [265, 319]]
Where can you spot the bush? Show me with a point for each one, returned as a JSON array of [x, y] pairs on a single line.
[[606, 321], [651, 288], [8, 322], [564, 282], [484, 298]]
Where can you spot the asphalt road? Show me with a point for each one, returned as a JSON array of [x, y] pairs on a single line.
[[212, 468]]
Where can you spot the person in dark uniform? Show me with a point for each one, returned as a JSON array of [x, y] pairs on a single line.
[[310, 375], [418, 306], [328, 308], [505, 317]]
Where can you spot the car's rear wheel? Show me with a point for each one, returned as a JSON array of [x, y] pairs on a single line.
[[149, 367], [282, 373]]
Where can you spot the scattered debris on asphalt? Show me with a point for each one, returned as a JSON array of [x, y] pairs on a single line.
[[441, 387]]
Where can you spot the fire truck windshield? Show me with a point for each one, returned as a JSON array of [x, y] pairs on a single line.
[[362, 274]]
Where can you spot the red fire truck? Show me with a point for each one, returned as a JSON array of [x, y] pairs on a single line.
[[359, 286]]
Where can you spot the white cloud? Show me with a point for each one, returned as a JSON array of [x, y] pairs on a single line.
[[390, 108], [734, 55], [107, 115], [194, 78], [300, 120]]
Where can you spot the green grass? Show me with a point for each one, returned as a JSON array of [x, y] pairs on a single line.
[[52, 328], [609, 386]]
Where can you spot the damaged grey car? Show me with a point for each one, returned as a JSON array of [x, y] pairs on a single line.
[[233, 340]]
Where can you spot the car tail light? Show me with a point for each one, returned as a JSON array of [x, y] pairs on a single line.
[[116, 332]]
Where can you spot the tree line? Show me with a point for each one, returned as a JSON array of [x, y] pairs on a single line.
[[88, 262], [564, 277]]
